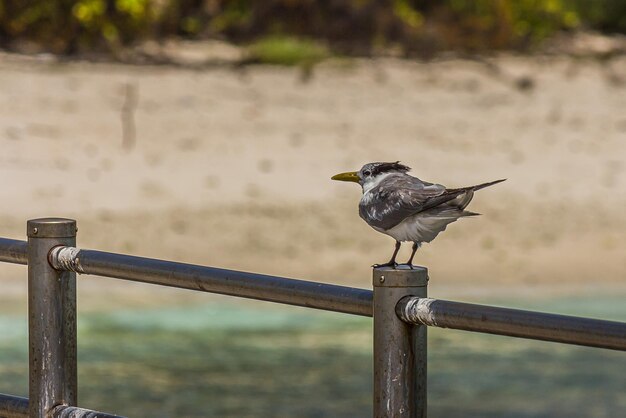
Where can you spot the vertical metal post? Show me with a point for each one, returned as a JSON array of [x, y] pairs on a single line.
[[399, 348], [51, 318]]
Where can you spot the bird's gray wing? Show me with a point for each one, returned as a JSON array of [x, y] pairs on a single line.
[[398, 197]]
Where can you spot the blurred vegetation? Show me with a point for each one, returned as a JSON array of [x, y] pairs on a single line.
[[354, 27], [282, 50], [604, 15]]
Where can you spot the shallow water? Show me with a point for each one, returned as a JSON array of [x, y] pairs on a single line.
[[248, 359]]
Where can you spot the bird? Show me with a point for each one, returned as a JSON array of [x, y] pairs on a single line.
[[405, 207]]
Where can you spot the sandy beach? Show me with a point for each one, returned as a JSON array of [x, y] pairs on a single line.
[[232, 168]]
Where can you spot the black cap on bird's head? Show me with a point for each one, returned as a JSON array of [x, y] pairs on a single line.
[[371, 170], [374, 169]]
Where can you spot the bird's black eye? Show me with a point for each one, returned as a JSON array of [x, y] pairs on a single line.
[[367, 173]]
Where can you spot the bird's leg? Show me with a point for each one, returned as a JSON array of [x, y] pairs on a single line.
[[410, 262], [392, 262]]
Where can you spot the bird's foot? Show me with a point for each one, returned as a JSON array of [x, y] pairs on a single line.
[[392, 264], [409, 265]]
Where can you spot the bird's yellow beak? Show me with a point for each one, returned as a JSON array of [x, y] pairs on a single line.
[[351, 176]]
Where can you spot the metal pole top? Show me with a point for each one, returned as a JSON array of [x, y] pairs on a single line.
[[401, 276], [51, 228]]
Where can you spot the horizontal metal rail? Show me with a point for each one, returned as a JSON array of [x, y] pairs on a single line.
[[13, 251], [17, 407], [13, 406], [513, 322], [215, 280], [431, 312], [65, 411]]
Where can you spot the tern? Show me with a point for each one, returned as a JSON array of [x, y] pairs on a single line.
[[405, 207]]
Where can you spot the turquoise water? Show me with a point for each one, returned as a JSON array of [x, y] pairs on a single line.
[[258, 360]]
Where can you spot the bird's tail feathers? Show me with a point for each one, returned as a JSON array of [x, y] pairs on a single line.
[[462, 200], [449, 212], [483, 185], [458, 198]]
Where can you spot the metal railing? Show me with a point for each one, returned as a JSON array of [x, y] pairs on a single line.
[[399, 304]]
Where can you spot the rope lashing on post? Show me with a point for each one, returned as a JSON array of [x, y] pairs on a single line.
[[65, 258]]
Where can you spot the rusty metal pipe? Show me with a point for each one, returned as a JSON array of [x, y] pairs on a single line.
[[215, 280], [399, 348], [65, 411], [513, 322], [13, 406], [17, 407], [51, 318], [13, 251]]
